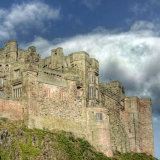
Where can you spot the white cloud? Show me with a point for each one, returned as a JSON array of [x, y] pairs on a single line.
[[2, 13], [139, 8], [141, 25], [21, 17]]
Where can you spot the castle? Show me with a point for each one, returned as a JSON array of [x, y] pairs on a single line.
[[64, 93]]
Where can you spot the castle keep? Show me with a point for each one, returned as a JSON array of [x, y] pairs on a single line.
[[64, 93]]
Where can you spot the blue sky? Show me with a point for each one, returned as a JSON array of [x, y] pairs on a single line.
[[124, 35]]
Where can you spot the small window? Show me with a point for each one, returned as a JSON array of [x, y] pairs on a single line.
[[1, 82], [16, 73], [1, 94], [98, 116], [91, 78], [17, 92], [91, 92], [1, 69], [7, 68]]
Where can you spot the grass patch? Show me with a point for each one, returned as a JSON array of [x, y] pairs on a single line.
[[28, 150]]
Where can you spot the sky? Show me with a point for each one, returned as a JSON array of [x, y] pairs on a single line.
[[124, 35]]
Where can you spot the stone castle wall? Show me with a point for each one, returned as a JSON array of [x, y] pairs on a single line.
[[12, 110], [137, 121], [63, 92], [146, 126]]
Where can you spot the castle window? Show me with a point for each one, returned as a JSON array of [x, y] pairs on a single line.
[[91, 92], [1, 68], [7, 68], [98, 116], [1, 94], [91, 78], [17, 92], [1, 82], [16, 73]]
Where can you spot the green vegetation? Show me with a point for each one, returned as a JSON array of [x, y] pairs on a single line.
[[19, 142], [28, 150], [3, 155], [133, 156]]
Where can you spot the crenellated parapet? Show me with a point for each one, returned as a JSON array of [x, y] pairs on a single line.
[[10, 46]]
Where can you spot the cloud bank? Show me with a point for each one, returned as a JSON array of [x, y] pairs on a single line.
[[131, 57], [21, 17]]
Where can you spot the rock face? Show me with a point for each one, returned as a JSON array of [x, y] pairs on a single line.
[[63, 92]]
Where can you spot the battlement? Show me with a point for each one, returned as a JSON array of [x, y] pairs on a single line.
[[57, 52], [115, 87], [114, 83], [11, 46], [146, 101]]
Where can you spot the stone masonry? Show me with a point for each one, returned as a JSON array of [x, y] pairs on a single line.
[[64, 93]]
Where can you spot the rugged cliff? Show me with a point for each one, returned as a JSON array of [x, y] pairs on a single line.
[[20, 143]]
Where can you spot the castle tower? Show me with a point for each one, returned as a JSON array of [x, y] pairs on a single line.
[[132, 121], [146, 126], [11, 50], [57, 59]]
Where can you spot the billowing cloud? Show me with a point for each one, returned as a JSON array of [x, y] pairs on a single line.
[[148, 9], [21, 17], [139, 9], [131, 57]]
